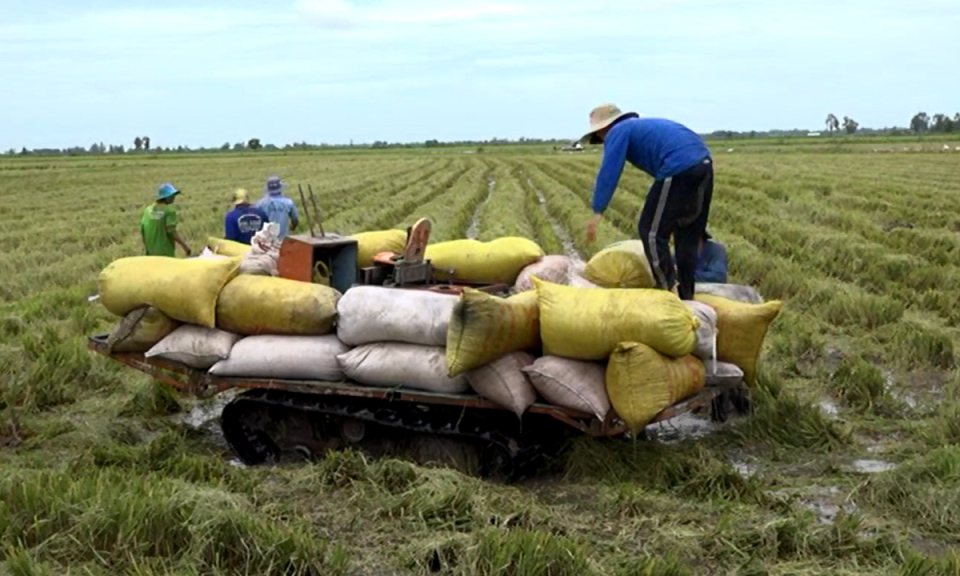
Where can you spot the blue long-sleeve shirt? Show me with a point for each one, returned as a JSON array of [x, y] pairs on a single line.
[[712, 266], [660, 147]]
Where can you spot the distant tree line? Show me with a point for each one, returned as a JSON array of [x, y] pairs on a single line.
[[920, 123], [940, 123], [142, 144]]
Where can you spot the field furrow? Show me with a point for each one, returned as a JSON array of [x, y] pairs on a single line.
[[501, 214], [397, 200], [548, 232], [453, 208]]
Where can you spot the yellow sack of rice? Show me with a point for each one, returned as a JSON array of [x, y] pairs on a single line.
[[484, 327], [621, 265], [499, 260], [741, 329], [185, 289], [641, 382], [370, 243], [226, 247], [140, 329], [253, 305], [587, 323]]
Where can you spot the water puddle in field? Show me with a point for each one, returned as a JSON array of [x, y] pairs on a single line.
[[743, 468], [565, 240], [826, 501], [204, 415], [829, 407], [682, 427], [474, 229], [871, 466]]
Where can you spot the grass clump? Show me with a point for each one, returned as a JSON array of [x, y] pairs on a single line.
[[753, 545], [111, 519], [152, 399], [942, 428], [439, 500], [921, 565], [865, 311], [124, 446], [781, 418], [503, 552], [526, 553], [860, 384], [918, 346], [647, 565], [691, 471], [924, 491]]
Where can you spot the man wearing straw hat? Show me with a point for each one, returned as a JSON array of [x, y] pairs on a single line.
[[678, 203], [278, 207]]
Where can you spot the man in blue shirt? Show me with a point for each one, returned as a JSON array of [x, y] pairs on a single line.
[[278, 207], [243, 220], [712, 266], [678, 202]]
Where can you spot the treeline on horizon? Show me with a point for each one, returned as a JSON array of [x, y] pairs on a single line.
[[920, 124]]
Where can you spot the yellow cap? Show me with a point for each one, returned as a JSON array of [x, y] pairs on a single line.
[[239, 196]]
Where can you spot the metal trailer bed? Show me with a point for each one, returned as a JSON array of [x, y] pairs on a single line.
[[393, 407]]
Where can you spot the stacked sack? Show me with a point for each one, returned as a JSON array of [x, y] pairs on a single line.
[[397, 338], [490, 341], [610, 340], [592, 337], [206, 314]]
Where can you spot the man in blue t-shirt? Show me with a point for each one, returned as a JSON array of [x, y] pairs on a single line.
[[243, 220], [678, 202], [278, 207]]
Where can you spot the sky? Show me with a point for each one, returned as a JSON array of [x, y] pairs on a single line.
[[204, 72]]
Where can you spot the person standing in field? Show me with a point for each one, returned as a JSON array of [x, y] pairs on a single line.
[[678, 203], [244, 219], [278, 207], [158, 224]]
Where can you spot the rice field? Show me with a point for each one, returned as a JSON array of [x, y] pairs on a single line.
[[850, 463]]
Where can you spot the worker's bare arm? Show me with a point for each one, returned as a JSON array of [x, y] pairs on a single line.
[[179, 240]]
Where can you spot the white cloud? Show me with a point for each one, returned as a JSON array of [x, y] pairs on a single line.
[[332, 14], [338, 14]]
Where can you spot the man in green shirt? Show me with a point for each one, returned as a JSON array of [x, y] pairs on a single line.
[[158, 224]]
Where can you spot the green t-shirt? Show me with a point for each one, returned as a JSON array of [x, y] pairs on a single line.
[[159, 222]]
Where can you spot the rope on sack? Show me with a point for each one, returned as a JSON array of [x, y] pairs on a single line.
[[713, 369]]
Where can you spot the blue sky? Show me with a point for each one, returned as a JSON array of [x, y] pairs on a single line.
[[203, 72]]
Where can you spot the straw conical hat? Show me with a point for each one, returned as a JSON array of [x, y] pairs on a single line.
[[601, 117]]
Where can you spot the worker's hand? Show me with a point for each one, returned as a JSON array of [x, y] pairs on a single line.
[[592, 228]]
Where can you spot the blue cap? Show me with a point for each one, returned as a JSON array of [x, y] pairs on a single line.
[[166, 190]]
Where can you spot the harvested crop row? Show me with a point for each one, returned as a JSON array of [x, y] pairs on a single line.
[[501, 215], [451, 211]]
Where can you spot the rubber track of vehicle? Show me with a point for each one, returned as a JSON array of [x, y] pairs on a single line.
[[248, 442]]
